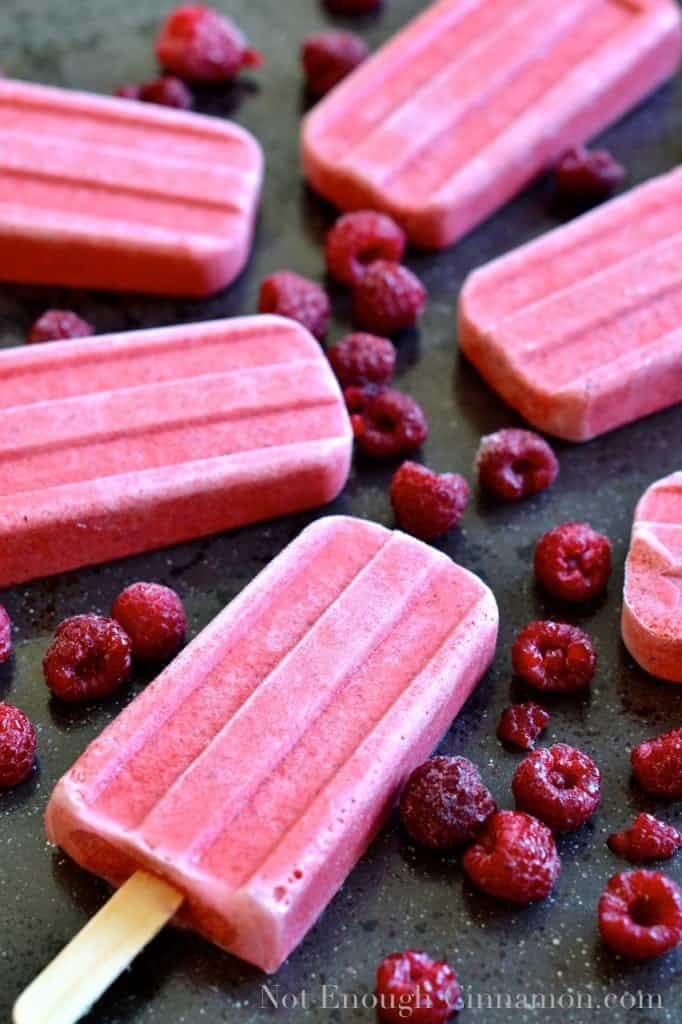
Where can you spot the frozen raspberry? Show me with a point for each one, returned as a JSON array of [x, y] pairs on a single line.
[[586, 176], [560, 785], [5, 636], [388, 298], [328, 57], [657, 765], [514, 858], [554, 657], [386, 423], [514, 463], [127, 92], [58, 324], [154, 619], [640, 914], [295, 297], [521, 724], [444, 803], [199, 44], [17, 746], [358, 239], [166, 91], [89, 658], [425, 503], [573, 562], [360, 359], [412, 986], [646, 839]]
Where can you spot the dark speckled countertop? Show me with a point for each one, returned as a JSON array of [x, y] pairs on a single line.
[[397, 897]]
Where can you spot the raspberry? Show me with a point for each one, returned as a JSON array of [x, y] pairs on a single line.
[[386, 423], [444, 803], [573, 562], [328, 57], [5, 636], [657, 765], [295, 297], [127, 92], [88, 658], [167, 92], [588, 177], [514, 858], [554, 657], [362, 359], [646, 839], [513, 463], [411, 985], [58, 324], [17, 746], [560, 785], [154, 619], [640, 914], [388, 298], [199, 44], [425, 503], [521, 724], [358, 239]]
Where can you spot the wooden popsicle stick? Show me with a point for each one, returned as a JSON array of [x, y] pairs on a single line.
[[85, 969]]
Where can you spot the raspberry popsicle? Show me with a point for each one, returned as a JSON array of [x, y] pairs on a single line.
[[652, 605], [254, 772], [108, 193], [465, 106], [580, 330], [120, 444]]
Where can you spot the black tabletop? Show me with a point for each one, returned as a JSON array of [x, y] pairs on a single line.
[[509, 960]]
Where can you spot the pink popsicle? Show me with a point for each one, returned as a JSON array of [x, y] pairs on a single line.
[[107, 193], [580, 330], [257, 768], [652, 605], [465, 106], [120, 444]]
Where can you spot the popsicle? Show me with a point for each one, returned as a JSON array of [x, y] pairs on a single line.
[[118, 444], [465, 106], [97, 192], [579, 331], [254, 772], [652, 604]]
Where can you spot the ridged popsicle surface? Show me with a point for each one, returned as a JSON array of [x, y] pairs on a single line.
[[255, 771]]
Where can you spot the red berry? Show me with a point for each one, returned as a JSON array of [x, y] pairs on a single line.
[[58, 324], [328, 57], [425, 503], [657, 765], [412, 986], [199, 44], [514, 463], [646, 839], [358, 239], [89, 658], [560, 785], [386, 423], [128, 92], [588, 176], [17, 746], [514, 858], [167, 92], [554, 657], [154, 619], [640, 914], [573, 562], [295, 297], [444, 803], [388, 298], [360, 359], [521, 724], [5, 635]]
